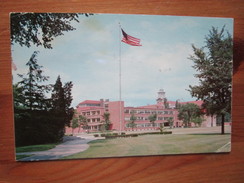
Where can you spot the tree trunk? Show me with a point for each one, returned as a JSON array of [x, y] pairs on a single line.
[[222, 124], [211, 120]]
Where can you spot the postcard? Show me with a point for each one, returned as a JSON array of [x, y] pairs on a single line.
[[89, 85]]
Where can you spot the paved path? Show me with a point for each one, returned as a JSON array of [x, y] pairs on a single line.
[[71, 145]]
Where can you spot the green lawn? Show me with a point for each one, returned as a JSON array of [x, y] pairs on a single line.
[[155, 145], [33, 148]]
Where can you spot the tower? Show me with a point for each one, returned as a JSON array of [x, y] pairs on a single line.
[[161, 96]]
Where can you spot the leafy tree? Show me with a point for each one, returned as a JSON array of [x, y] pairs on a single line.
[[31, 92], [132, 121], [83, 122], [74, 124], [161, 127], [170, 121], [106, 120], [188, 112], [152, 118], [197, 120], [214, 66], [40, 28]]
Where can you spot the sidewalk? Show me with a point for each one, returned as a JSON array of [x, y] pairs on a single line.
[[71, 145]]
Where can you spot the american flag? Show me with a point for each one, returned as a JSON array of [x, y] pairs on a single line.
[[130, 40]]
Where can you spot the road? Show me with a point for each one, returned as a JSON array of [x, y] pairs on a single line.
[[71, 145]]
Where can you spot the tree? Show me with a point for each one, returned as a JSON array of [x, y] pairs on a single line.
[[68, 100], [40, 28], [74, 124], [166, 104], [161, 127], [32, 92], [177, 104], [197, 120], [61, 101], [19, 97], [132, 121], [170, 121], [106, 120], [83, 122], [152, 118], [58, 101], [188, 112], [214, 66]]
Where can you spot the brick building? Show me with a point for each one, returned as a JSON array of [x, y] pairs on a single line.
[[165, 111]]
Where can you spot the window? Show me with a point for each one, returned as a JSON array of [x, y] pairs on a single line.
[[127, 111]]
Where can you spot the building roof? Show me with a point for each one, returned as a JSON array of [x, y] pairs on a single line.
[[88, 108], [198, 102], [90, 102], [171, 103]]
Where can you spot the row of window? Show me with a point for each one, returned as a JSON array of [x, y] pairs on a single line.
[[89, 105], [93, 120], [147, 112], [144, 125], [141, 118], [91, 113]]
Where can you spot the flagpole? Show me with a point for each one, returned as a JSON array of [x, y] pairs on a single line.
[[120, 107]]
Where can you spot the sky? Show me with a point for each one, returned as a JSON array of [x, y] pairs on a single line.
[[90, 55]]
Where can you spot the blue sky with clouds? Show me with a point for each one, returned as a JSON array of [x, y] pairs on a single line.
[[89, 56]]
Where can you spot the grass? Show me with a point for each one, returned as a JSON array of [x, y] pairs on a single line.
[[18, 157], [154, 145], [34, 148]]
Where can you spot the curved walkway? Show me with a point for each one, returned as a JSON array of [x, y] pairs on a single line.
[[71, 145]]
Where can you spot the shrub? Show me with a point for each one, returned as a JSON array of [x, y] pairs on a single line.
[[96, 135]]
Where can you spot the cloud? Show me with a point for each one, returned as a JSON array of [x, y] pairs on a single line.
[[89, 56]]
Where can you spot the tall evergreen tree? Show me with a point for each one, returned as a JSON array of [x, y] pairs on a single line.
[[68, 100], [61, 100], [214, 66], [58, 101], [33, 91]]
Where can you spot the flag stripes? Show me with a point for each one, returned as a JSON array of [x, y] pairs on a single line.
[[130, 39]]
